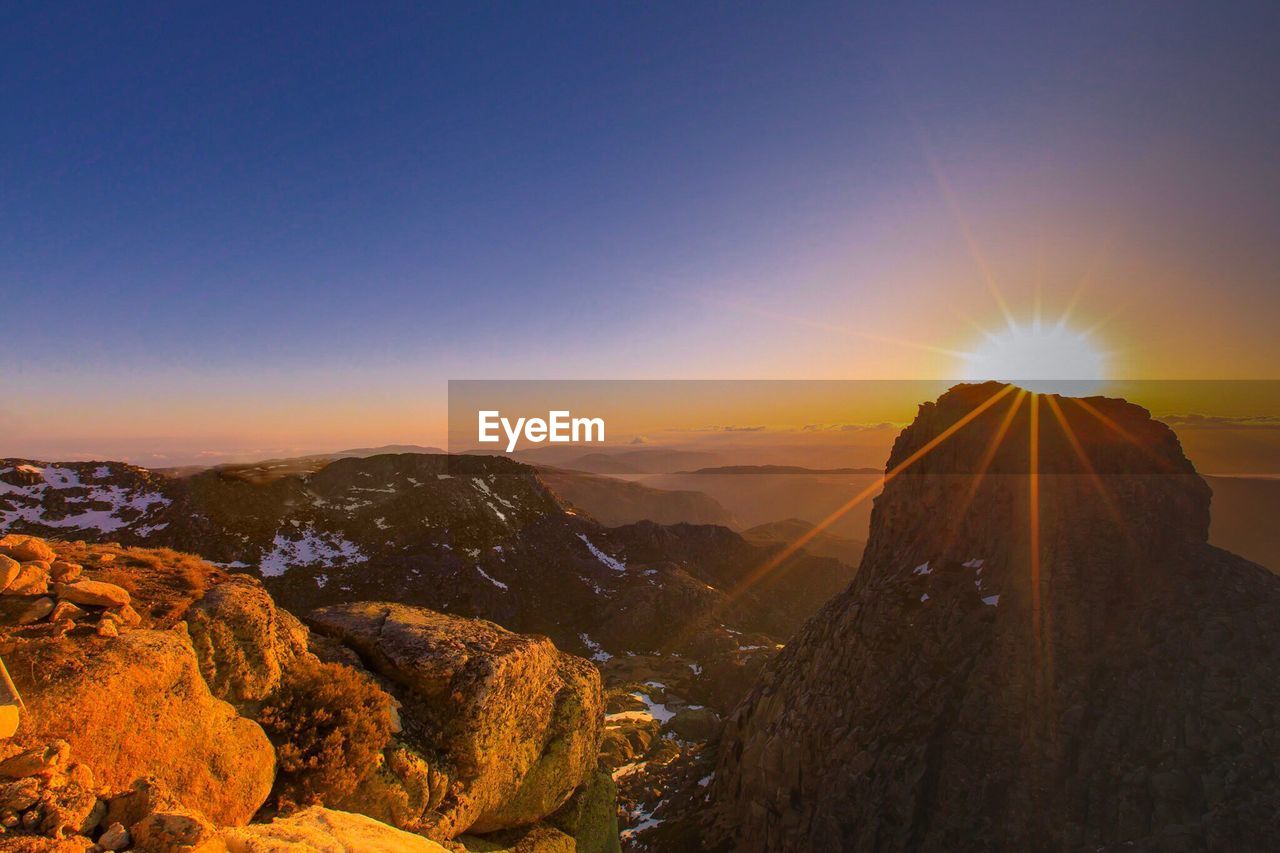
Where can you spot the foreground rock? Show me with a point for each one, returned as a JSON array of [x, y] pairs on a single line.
[[516, 722], [1119, 691], [135, 705], [244, 642], [321, 830]]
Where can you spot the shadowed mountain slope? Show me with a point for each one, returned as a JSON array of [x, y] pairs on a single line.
[[1110, 683]]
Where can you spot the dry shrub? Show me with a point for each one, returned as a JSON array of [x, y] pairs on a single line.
[[329, 724], [162, 581]]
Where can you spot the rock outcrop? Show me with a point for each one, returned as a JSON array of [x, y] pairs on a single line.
[[1100, 679], [135, 705], [321, 830], [244, 642], [126, 664], [516, 722]]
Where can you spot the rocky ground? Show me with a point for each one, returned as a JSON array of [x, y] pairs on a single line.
[[167, 704]]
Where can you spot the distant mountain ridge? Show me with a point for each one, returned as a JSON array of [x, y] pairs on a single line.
[[780, 469], [470, 535]]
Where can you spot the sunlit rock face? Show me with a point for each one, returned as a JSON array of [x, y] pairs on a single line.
[[1119, 686]]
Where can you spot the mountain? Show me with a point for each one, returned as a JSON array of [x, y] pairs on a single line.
[[614, 502], [761, 494], [1110, 682], [783, 469], [822, 544], [477, 536], [654, 460]]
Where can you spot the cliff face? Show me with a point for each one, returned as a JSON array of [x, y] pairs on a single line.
[[1119, 686]]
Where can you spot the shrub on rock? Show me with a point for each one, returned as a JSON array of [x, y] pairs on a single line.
[[330, 724]]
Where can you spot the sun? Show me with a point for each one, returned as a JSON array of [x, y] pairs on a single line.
[[1046, 358]]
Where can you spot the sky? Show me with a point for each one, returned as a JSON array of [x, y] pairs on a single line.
[[240, 228]]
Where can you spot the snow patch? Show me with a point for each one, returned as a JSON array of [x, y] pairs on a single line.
[[611, 562], [597, 653], [313, 549], [499, 584]]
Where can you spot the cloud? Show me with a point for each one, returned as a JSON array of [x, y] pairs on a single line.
[[1198, 421], [718, 429], [849, 427]]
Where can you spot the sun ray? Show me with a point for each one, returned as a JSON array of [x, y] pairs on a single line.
[[966, 232], [777, 560], [1033, 477], [1120, 431], [993, 447], [1086, 280], [835, 328], [1083, 456]]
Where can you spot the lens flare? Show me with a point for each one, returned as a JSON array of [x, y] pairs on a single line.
[[1046, 359]]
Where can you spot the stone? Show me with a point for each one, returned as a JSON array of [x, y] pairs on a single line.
[[9, 569], [25, 548], [41, 761], [71, 808], [32, 579], [36, 611], [517, 721], [18, 795], [177, 830], [114, 837], [65, 611], [93, 593], [321, 830], [126, 615], [107, 628], [141, 708], [65, 572], [694, 724]]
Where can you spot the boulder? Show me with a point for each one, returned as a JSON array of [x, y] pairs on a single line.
[[243, 641], [25, 548], [36, 610], [321, 830], [135, 705], [64, 572], [93, 593], [32, 579], [177, 831], [9, 569], [517, 721], [591, 816], [695, 724]]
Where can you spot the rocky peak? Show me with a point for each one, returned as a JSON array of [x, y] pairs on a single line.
[[1060, 672]]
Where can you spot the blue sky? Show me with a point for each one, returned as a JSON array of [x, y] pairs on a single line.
[[217, 207]]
